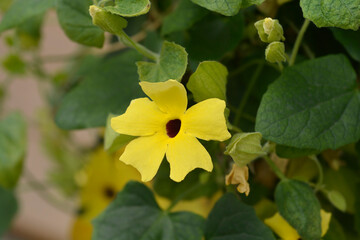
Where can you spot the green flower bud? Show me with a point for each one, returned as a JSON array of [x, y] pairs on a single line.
[[245, 147], [337, 199], [107, 21], [275, 52], [270, 30]]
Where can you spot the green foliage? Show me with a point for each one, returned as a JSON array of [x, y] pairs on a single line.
[[171, 64], [345, 182], [108, 85], [114, 141], [107, 21], [14, 64], [84, 31], [196, 184], [226, 7], [319, 105], [350, 40], [129, 8], [209, 81], [337, 199], [232, 219], [333, 13], [298, 204], [335, 231], [12, 149], [23, 10], [8, 209], [292, 152], [135, 208], [184, 16], [213, 36]]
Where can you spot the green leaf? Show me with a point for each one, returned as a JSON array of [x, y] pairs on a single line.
[[345, 182], [14, 64], [214, 36], [333, 13], [108, 86], [231, 219], [113, 141], [12, 149], [337, 199], [29, 32], [314, 105], [22, 10], [292, 152], [184, 16], [134, 215], [171, 64], [129, 8], [350, 40], [8, 209], [299, 206], [76, 22], [226, 7], [165, 187], [209, 81]]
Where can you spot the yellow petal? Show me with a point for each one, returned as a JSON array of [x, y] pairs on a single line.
[[206, 120], [325, 220], [142, 118], [184, 154], [282, 228], [146, 154], [170, 96]]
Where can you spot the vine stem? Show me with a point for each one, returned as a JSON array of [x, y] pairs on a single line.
[[273, 166], [247, 93], [41, 190], [298, 41], [319, 183], [123, 37]]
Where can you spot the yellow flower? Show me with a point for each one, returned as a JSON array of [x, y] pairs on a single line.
[[286, 232], [102, 178], [164, 126]]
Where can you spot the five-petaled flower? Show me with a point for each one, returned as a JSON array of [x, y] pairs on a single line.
[[164, 126]]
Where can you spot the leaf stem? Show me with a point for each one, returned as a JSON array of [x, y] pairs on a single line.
[[123, 37], [273, 166], [319, 183], [247, 93], [298, 41]]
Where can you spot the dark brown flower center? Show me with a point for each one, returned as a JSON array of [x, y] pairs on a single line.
[[173, 127], [109, 192]]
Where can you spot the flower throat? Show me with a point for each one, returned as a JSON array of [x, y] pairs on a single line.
[[173, 127]]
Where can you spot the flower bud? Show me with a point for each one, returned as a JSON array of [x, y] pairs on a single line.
[[245, 147], [107, 21], [270, 30], [275, 52], [239, 176]]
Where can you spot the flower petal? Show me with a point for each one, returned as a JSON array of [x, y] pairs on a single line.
[[325, 221], [206, 120], [184, 154], [281, 227], [142, 118], [170, 96], [146, 154]]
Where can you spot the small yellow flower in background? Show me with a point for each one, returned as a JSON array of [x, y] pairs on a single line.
[[286, 232], [102, 178], [164, 126], [239, 175]]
